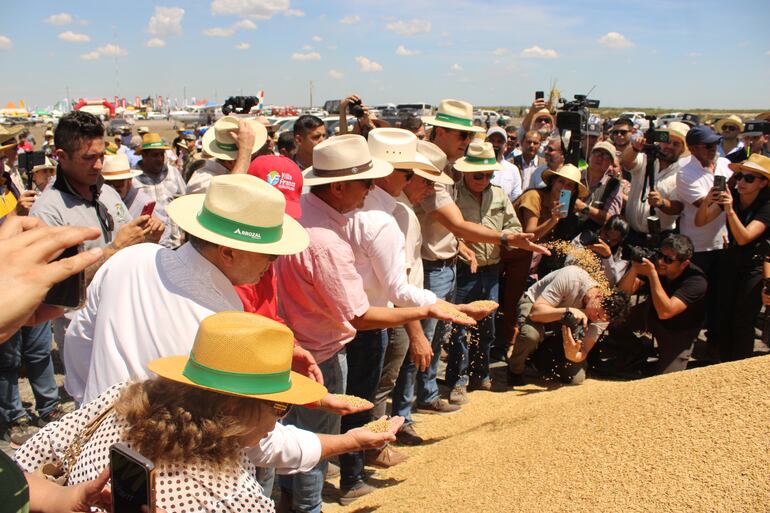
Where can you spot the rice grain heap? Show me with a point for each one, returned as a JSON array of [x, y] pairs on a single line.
[[378, 426], [352, 400]]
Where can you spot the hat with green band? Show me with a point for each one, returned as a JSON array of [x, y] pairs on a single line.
[[243, 354], [152, 141], [219, 141], [480, 157], [240, 212], [454, 114]]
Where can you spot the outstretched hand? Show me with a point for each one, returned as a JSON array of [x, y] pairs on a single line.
[[366, 439], [523, 241], [332, 403]]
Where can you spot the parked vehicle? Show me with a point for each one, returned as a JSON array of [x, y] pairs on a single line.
[[414, 109], [116, 125]]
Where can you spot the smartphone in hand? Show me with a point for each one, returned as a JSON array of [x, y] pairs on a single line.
[[564, 198], [539, 95], [132, 478], [148, 209], [69, 293], [720, 183]]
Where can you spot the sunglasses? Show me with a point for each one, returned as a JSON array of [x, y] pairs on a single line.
[[105, 219], [408, 172], [729, 128], [748, 178], [281, 409], [481, 176], [619, 132], [666, 258], [368, 183], [462, 134], [543, 120]]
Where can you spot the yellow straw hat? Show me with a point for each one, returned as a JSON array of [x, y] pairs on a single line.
[[569, 172], [756, 163], [242, 354], [152, 141]]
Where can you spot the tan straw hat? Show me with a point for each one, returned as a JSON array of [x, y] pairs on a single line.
[[49, 164], [116, 167], [542, 113], [152, 141], [756, 163], [764, 116], [569, 172], [679, 130], [455, 114], [437, 158], [480, 157], [732, 119], [399, 147], [218, 141], [240, 212], [141, 130], [343, 158], [242, 354]]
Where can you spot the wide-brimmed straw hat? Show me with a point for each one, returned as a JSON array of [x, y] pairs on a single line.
[[152, 141], [571, 173], [49, 164], [438, 158], [116, 167], [240, 212], [542, 113], [399, 147], [343, 158], [679, 130], [480, 157], [756, 163], [141, 130], [242, 354], [220, 143], [455, 114], [732, 119]]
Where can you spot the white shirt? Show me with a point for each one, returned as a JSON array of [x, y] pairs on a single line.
[[410, 227], [535, 179], [693, 183], [509, 179], [201, 178], [378, 246], [665, 183]]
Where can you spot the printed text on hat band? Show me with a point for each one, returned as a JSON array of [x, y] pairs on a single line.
[[239, 231]]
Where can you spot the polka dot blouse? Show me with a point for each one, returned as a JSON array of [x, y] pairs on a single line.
[[179, 488]]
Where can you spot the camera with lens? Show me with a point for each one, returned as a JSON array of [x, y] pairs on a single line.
[[574, 324], [572, 123], [239, 105], [588, 237], [356, 109], [639, 253]]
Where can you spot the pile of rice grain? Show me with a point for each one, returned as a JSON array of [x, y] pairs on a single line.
[[697, 440]]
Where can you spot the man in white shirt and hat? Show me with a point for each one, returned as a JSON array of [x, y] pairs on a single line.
[[508, 176]]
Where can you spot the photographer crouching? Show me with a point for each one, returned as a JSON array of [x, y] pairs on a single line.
[[569, 297], [674, 310]]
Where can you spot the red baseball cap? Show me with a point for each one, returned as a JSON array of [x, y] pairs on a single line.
[[283, 174]]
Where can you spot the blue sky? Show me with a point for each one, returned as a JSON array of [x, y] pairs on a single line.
[[650, 53]]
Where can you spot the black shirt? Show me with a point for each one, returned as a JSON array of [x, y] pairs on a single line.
[[750, 255], [690, 289]]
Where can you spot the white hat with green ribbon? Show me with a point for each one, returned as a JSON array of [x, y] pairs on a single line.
[[479, 158], [454, 114], [218, 141]]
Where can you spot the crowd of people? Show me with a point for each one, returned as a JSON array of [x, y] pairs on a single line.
[[254, 301]]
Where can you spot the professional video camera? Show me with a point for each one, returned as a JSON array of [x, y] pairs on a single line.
[[239, 105], [574, 324], [572, 122]]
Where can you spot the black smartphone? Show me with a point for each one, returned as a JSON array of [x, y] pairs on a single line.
[[720, 183], [132, 478], [539, 95], [71, 292]]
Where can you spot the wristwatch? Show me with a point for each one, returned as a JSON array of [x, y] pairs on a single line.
[[584, 211], [503, 240]]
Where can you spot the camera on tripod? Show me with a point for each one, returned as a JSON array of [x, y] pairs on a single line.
[[572, 123]]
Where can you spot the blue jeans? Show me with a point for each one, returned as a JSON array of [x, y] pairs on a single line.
[[366, 355], [30, 345], [484, 284], [306, 487], [441, 281]]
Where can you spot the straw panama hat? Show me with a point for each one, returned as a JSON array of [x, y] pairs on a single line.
[[455, 114], [569, 172], [479, 158], [141, 130], [152, 141], [240, 212], [242, 354], [219, 142], [343, 158], [542, 113], [679, 130], [116, 167], [399, 147], [49, 164], [756, 163], [732, 119]]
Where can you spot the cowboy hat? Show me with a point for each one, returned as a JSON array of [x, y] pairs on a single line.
[[569, 172], [454, 114], [732, 119], [542, 113], [343, 158], [437, 158], [49, 164], [220, 143], [152, 141], [240, 212], [6, 142], [242, 354], [479, 158], [399, 147], [142, 130], [756, 163], [764, 116], [116, 167]]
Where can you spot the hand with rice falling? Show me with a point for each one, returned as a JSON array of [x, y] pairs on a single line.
[[523, 241]]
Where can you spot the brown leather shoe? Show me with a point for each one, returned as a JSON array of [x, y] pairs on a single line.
[[408, 436], [385, 458]]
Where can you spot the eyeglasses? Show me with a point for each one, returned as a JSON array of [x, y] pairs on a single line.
[[619, 132], [408, 172], [745, 177], [729, 128], [462, 134], [666, 258], [543, 120], [281, 409], [481, 176]]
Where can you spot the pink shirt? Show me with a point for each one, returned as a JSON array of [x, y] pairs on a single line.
[[319, 289]]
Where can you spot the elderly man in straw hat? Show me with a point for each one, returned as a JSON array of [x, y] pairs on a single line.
[[663, 196], [730, 129], [231, 143], [323, 296]]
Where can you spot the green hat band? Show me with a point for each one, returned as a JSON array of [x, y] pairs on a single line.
[[237, 382], [239, 231], [480, 160], [225, 146], [154, 144], [454, 119]]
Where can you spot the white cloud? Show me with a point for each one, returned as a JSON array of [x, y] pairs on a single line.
[[317, 39], [60, 19], [694, 55], [155, 43], [245, 25], [5, 43], [499, 52], [294, 12], [112, 50], [229, 31], [72, 37], [768, 52], [256, 9], [409, 28], [367, 65], [166, 21], [307, 47], [310, 56], [350, 20], [406, 52], [456, 67], [536, 52], [90, 56], [615, 40], [333, 73], [242, 46]]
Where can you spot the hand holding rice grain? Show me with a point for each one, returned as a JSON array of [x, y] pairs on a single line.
[[453, 314]]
